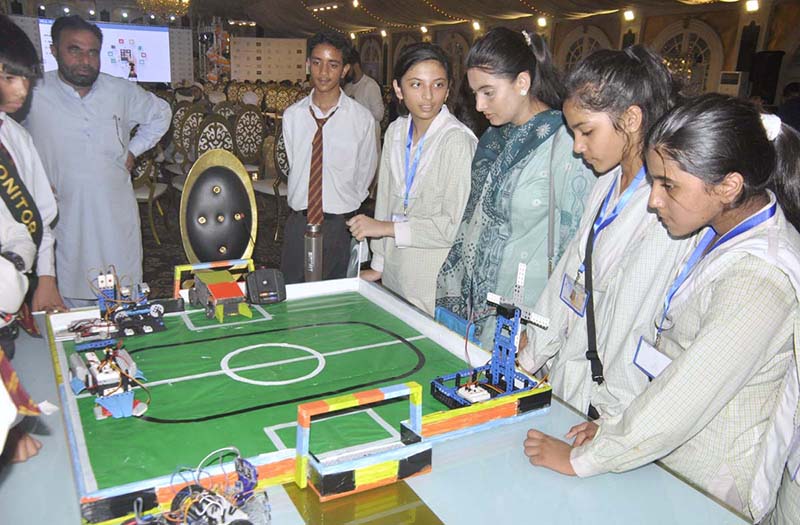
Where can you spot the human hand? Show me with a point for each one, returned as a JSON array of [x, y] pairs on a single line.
[[370, 275], [546, 451], [21, 446], [46, 296], [362, 227], [582, 433], [523, 340], [130, 161]]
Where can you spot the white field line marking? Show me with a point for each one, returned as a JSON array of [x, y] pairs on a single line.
[[272, 434], [267, 365], [191, 326]]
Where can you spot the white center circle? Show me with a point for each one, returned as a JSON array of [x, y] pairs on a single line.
[[224, 364]]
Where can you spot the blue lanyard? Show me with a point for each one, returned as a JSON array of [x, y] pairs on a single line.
[[699, 252], [411, 171], [602, 221]]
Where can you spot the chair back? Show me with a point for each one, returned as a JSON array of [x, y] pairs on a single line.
[[271, 98], [214, 132], [281, 158], [178, 112], [188, 132], [286, 97], [249, 130], [227, 109]]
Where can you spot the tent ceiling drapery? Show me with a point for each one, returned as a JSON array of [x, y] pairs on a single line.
[[292, 17]]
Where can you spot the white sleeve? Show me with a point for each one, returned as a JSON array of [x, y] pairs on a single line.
[[375, 102], [14, 237], [153, 116]]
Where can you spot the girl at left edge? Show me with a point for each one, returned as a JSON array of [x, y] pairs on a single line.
[[423, 181]]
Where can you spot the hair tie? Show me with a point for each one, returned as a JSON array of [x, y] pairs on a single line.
[[527, 37], [772, 125]]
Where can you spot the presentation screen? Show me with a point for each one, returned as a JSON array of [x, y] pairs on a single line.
[[138, 53]]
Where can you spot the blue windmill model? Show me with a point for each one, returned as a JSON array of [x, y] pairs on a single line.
[[499, 376]]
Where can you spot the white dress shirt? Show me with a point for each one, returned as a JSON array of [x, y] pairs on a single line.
[[349, 153], [367, 92], [84, 144], [20, 146]]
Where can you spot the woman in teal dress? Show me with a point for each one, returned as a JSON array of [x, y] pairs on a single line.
[[528, 188]]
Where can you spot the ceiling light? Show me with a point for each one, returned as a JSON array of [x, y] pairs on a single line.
[[91, 12], [66, 9], [124, 14], [152, 17], [423, 29], [751, 6], [171, 18], [476, 25], [352, 36], [355, 3], [541, 21], [41, 8], [383, 33], [628, 15]]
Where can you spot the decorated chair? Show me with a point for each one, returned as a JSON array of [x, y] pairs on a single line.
[[249, 131], [147, 188], [274, 174], [227, 109], [214, 132], [285, 98], [186, 145]]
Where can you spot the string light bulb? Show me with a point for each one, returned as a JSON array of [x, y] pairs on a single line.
[[423, 29], [628, 15], [383, 33], [541, 21], [476, 25]]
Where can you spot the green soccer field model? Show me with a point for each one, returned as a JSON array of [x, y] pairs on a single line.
[[239, 383]]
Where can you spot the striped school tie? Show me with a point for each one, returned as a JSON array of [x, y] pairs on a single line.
[[19, 396], [315, 215]]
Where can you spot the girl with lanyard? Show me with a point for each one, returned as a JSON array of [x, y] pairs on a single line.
[[423, 181], [528, 190], [600, 298], [720, 408]]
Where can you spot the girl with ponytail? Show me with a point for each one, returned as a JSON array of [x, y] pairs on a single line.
[[527, 190], [720, 409], [600, 301]]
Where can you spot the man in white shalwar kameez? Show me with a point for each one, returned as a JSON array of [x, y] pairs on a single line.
[[81, 122]]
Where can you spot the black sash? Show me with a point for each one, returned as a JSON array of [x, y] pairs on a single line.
[[17, 198]]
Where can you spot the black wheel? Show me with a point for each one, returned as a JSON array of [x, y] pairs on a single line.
[[193, 300], [210, 311]]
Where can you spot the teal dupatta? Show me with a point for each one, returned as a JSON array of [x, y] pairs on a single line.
[[471, 268]]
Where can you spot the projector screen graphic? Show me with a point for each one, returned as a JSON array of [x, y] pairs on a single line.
[[137, 53]]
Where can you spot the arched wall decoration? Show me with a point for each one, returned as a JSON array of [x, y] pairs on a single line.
[[580, 43], [693, 51], [456, 47], [371, 58]]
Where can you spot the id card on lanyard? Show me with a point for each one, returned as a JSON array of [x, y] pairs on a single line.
[[573, 293], [411, 166], [648, 357]]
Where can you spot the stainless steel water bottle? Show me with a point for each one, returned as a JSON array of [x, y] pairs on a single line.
[[313, 252]]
